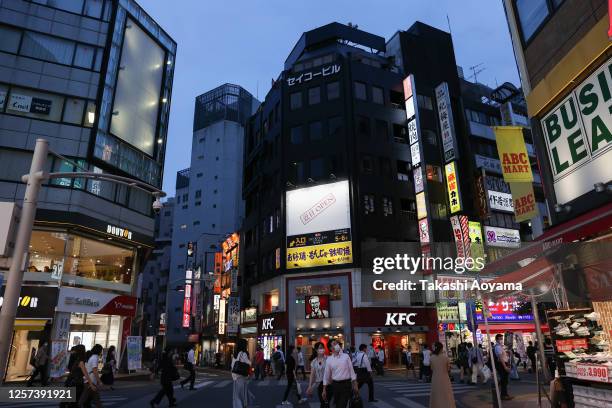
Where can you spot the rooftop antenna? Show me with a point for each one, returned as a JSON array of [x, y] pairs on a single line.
[[450, 31], [257, 90], [476, 69]]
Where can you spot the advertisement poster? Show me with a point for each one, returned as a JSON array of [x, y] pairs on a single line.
[[317, 306], [501, 201], [513, 154], [233, 314], [59, 358], [502, 237], [319, 226], [134, 352], [476, 244], [525, 207], [452, 184]]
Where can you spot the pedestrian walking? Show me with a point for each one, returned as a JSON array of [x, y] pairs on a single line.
[[531, 354], [408, 361], [41, 363], [169, 374], [300, 363], [241, 367], [364, 371], [190, 366], [76, 373], [502, 365], [380, 357], [317, 370], [290, 372], [279, 362], [108, 370], [441, 389], [426, 360], [259, 364], [462, 362], [340, 376], [91, 391], [476, 361]]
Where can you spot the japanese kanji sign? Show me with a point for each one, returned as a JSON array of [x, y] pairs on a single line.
[[310, 75], [447, 127], [452, 184]]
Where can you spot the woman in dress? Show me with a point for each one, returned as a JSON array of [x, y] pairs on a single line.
[[441, 389]]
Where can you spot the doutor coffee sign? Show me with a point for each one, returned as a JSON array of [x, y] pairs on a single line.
[[35, 302]]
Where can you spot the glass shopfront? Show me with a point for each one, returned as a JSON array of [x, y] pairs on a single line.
[[91, 329], [394, 344], [81, 261]]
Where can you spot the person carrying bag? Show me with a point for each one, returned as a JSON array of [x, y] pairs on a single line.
[[241, 368]]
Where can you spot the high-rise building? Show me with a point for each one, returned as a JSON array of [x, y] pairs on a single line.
[[94, 78], [209, 205]]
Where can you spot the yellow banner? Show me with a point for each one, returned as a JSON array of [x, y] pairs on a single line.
[[513, 154], [476, 243], [320, 255], [421, 205], [525, 207], [452, 184]]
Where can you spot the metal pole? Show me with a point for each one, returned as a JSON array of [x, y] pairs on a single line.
[[485, 311], [22, 242], [536, 319]]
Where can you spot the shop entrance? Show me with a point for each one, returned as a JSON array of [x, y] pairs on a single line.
[[394, 345], [24, 341], [91, 329]]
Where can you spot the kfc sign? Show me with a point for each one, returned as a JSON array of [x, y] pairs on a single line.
[[267, 324], [400, 319]]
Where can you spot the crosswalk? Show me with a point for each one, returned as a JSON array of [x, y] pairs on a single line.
[[409, 391]]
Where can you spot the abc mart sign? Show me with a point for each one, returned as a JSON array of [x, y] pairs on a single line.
[[578, 134]]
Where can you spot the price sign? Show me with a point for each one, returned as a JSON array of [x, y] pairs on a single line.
[[592, 372], [571, 344]]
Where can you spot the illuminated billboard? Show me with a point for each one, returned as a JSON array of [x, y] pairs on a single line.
[[318, 226], [317, 306]]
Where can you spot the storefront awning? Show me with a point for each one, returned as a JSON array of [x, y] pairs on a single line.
[[585, 225], [538, 273], [30, 324]]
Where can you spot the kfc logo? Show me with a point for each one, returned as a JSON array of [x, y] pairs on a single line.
[[267, 324], [399, 319]]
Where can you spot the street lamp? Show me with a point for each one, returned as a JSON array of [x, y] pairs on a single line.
[[34, 181]]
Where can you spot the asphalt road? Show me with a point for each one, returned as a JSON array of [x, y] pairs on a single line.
[[214, 389]]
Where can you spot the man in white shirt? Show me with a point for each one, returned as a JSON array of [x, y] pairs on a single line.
[[426, 363], [502, 365], [190, 366], [380, 361], [300, 363], [339, 375], [364, 371]]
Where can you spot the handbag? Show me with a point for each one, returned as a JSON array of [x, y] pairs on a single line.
[[486, 373], [356, 401], [239, 367], [363, 374]]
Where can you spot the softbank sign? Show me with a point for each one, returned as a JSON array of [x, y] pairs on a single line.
[[400, 319]]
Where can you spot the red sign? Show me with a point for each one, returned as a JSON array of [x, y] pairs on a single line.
[[571, 344], [186, 305], [186, 319], [592, 372], [121, 305]]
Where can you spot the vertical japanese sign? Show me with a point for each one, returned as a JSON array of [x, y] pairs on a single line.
[[513, 154], [525, 207], [187, 299], [233, 314], [421, 206], [424, 231], [134, 352], [452, 184], [461, 233], [221, 316], [447, 126]]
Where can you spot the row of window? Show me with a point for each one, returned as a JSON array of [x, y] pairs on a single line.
[[332, 91], [49, 48], [368, 164], [533, 13], [47, 106], [482, 118], [316, 169], [376, 95], [89, 8], [385, 206]]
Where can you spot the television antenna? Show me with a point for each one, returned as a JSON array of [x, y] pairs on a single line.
[[476, 69]]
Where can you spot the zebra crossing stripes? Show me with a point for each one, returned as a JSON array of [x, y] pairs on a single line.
[[422, 389]]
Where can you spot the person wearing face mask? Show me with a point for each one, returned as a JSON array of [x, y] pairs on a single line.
[[339, 376], [317, 370]]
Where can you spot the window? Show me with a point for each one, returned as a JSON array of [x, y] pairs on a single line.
[[335, 126], [397, 99], [333, 90], [385, 168], [99, 55], [429, 136], [198, 193], [438, 211], [199, 175], [424, 102], [367, 164], [363, 126], [196, 223], [360, 91], [84, 56], [47, 48], [368, 204], [295, 135], [434, 173], [399, 133], [403, 170], [296, 100], [74, 6], [317, 168], [73, 111], [382, 130], [531, 14], [35, 104], [378, 95], [407, 206], [387, 206], [297, 172], [314, 95], [315, 130], [90, 114], [185, 197], [9, 39], [93, 8]]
